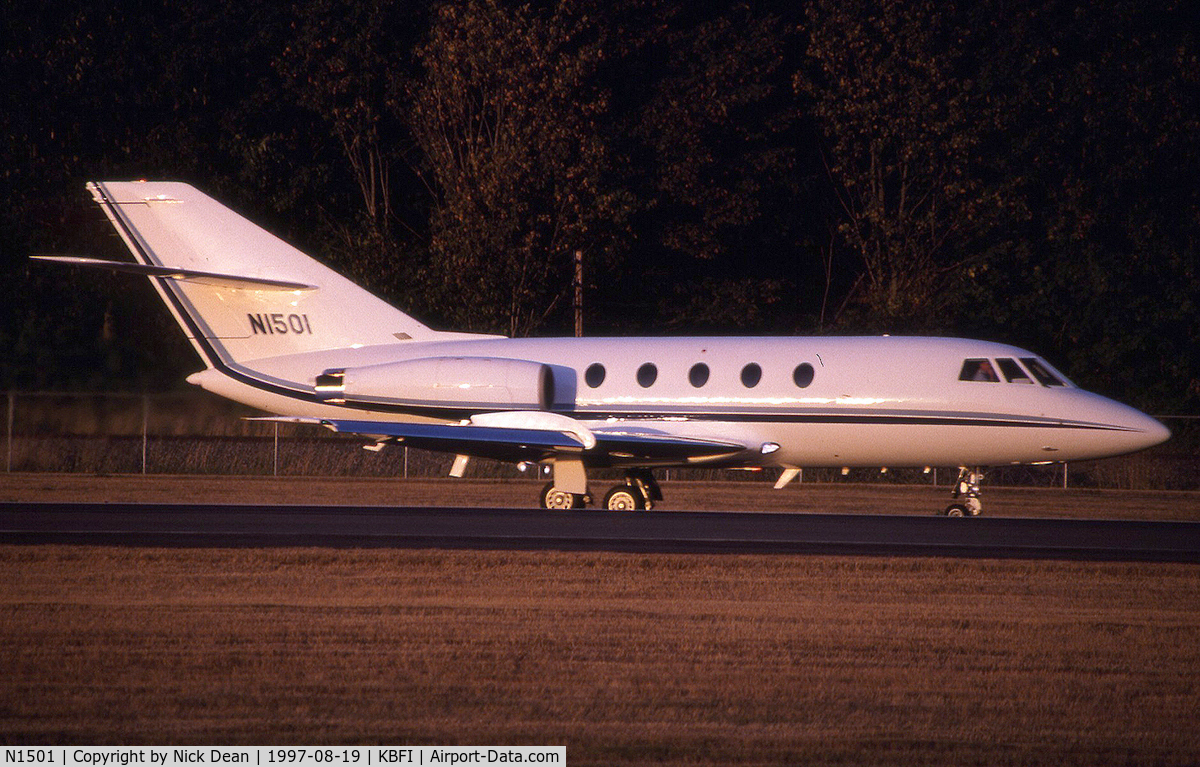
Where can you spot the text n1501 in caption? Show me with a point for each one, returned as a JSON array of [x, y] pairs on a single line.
[[281, 756]]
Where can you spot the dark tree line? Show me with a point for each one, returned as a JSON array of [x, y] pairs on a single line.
[[1021, 172]]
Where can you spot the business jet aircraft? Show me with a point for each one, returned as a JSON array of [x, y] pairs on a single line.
[[283, 333]]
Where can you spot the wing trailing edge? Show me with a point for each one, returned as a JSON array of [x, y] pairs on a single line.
[[515, 443]]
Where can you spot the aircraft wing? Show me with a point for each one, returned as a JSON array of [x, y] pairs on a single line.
[[497, 442], [632, 445], [508, 443]]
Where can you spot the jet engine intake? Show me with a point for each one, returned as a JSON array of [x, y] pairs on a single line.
[[471, 382]]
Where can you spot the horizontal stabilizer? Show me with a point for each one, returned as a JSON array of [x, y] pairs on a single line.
[[186, 275]]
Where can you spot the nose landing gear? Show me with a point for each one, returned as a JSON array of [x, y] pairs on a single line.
[[966, 494]]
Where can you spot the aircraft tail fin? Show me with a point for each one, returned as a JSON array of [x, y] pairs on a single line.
[[239, 292]]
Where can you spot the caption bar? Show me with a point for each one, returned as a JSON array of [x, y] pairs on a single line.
[[289, 756]]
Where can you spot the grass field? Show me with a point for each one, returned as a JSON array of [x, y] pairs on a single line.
[[625, 659]]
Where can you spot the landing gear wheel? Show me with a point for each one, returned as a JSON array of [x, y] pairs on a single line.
[[966, 493], [625, 498], [639, 488], [560, 499]]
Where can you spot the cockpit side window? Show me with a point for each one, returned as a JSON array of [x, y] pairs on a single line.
[[978, 370], [1041, 372], [1012, 371]]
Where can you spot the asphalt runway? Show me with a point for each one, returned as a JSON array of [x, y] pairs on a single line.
[[192, 525]]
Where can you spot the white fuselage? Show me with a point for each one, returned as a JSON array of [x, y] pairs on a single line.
[[279, 331], [824, 401]]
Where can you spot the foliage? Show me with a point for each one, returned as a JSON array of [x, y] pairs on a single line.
[[1020, 173], [709, 125], [1098, 111], [904, 123], [505, 113]]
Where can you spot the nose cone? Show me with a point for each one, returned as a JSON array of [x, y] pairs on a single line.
[[1153, 431], [1098, 427], [1132, 430]]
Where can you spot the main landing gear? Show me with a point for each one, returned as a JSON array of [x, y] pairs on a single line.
[[562, 500], [638, 493], [966, 494]]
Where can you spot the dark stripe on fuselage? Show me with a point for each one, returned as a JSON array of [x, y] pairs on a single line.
[[927, 419], [845, 419]]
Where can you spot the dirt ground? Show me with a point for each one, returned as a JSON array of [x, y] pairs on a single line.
[[832, 498], [626, 659]]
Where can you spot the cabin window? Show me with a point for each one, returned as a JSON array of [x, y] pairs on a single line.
[[751, 375], [1012, 371], [1041, 372], [647, 374], [698, 375], [594, 375], [803, 374], [978, 370]]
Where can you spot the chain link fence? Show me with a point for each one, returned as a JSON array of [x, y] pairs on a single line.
[[196, 433]]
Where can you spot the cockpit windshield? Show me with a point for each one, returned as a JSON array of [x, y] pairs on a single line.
[[1013, 371], [1041, 372], [978, 370]]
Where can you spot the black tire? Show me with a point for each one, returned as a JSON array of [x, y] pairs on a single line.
[[624, 498], [956, 510], [559, 500]]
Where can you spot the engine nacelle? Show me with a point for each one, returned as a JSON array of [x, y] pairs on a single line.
[[471, 382]]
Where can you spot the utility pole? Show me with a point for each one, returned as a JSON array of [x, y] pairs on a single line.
[[11, 405], [579, 294], [145, 427]]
